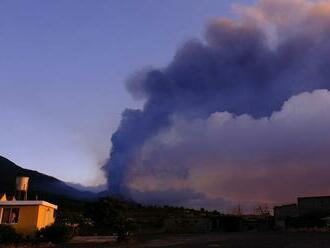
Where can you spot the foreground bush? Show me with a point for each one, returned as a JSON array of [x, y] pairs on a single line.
[[109, 216], [8, 235], [56, 234]]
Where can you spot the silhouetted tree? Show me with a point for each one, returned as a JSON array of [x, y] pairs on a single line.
[[109, 215]]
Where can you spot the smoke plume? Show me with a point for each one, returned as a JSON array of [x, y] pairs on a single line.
[[229, 116]]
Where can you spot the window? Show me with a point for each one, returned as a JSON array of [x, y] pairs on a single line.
[[10, 216]]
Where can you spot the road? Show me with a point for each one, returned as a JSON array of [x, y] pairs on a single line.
[[223, 240], [242, 240]]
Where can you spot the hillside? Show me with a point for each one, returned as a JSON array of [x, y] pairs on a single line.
[[41, 185]]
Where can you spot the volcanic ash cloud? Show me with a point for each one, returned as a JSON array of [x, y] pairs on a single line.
[[240, 158], [230, 117]]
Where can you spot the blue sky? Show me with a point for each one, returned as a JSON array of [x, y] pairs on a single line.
[[63, 67]]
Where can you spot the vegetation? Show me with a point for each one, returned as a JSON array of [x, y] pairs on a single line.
[[110, 216], [56, 234], [8, 235], [306, 221]]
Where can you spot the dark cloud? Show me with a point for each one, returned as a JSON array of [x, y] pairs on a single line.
[[240, 158], [179, 198], [246, 66]]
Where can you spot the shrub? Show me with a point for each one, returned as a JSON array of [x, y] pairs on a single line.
[[8, 235], [110, 216], [56, 234]]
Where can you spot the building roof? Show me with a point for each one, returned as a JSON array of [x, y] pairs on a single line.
[[27, 203], [286, 205], [3, 197], [314, 197]]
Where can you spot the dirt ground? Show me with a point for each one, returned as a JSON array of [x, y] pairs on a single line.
[[227, 240]]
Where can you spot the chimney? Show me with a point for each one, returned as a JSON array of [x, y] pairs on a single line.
[[22, 184]]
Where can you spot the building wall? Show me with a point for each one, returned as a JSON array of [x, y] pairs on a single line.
[[27, 220], [32, 218], [45, 216], [309, 205], [284, 211]]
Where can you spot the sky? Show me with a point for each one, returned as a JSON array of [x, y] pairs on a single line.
[[201, 103], [63, 68]]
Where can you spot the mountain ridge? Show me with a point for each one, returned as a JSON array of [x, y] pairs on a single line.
[[40, 184]]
